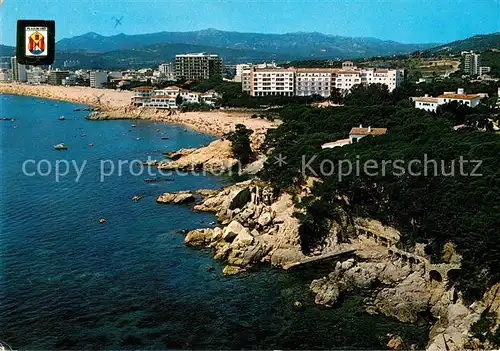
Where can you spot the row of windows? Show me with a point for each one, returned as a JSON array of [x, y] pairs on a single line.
[[313, 74]]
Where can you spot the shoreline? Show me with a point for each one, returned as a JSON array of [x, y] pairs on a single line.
[[116, 105]]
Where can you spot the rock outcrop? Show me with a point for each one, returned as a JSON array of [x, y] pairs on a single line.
[[453, 329], [216, 157], [175, 198], [257, 227]]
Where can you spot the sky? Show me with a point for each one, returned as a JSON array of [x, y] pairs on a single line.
[[407, 21]]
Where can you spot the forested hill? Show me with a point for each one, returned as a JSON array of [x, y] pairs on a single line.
[[476, 43], [432, 208]]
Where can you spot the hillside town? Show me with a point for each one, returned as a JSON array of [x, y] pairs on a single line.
[[162, 87], [221, 190]]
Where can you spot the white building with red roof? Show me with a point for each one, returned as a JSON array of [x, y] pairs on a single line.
[[429, 103]]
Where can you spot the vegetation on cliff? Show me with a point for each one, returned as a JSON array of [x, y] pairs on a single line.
[[240, 143], [434, 207]]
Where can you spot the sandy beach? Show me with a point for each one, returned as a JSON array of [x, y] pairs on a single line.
[[116, 105]]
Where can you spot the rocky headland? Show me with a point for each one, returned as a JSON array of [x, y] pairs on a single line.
[[216, 157], [256, 225]]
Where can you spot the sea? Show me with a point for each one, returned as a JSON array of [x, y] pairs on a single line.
[[68, 281]]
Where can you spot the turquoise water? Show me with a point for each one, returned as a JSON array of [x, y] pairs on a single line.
[[68, 282]]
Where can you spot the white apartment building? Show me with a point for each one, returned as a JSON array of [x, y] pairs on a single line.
[[245, 79], [98, 79], [161, 102], [69, 80], [18, 70], [272, 81], [5, 76], [166, 98], [210, 97], [142, 95], [484, 70], [37, 76], [115, 75], [392, 78], [472, 62], [240, 68], [314, 81], [171, 90], [191, 97], [345, 80], [167, 70]]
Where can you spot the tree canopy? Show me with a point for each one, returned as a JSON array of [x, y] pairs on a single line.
[[433, 207]]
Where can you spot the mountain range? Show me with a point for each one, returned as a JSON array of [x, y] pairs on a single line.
[[300, 45], [475, 43], [93, 50]]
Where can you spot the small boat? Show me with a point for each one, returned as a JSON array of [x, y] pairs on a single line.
[[91, 144], [133, 125], [60, 147], [137, 138], [164, 138], [102, 220], [136, 198], [77, 109], [149, 163], [7, 119], [62, 118]]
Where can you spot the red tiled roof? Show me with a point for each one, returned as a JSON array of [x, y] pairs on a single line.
[[163, 97], [364, 131], [459, 96], [143, 88], [426, 99]]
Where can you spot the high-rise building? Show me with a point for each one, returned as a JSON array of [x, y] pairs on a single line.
[[167, 70], [472, 62], [198, 66], [98, 79], [18, 70], [56, 77], [5, 62]]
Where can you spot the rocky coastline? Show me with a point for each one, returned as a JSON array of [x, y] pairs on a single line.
[[254, 225]]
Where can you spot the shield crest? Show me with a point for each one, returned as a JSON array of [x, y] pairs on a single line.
[[36, 43]]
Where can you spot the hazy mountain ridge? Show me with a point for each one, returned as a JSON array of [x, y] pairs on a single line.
[[153, 55], [476, 43], [300, 44], [242, 48]]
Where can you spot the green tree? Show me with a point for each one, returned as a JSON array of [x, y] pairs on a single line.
[[179, 100], [240, 143]]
